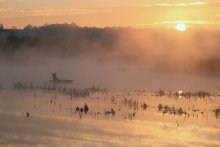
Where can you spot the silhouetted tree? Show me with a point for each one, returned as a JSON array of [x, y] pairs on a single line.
[[14, 28], [28, 27], [1, 27]]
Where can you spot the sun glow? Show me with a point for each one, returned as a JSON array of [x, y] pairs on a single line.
[[181, 27]]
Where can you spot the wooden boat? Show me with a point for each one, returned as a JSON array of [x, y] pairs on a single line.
[[57, 80]]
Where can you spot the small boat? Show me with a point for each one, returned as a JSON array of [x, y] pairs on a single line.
[[57, 80]]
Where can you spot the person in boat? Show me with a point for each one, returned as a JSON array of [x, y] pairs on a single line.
[[86, 108]]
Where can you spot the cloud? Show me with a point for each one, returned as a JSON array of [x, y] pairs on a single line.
[[11, 0], [46, 11], [177, 4], [186, 22]]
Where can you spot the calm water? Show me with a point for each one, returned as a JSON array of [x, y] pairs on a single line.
[[140, 119]]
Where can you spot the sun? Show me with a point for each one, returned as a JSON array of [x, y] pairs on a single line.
[[181, 27]]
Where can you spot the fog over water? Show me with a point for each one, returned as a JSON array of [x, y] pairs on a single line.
[[120, 58]]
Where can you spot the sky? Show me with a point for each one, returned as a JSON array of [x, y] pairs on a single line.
[[102, 13]]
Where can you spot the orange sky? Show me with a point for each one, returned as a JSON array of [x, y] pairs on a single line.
[[99, 13]]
